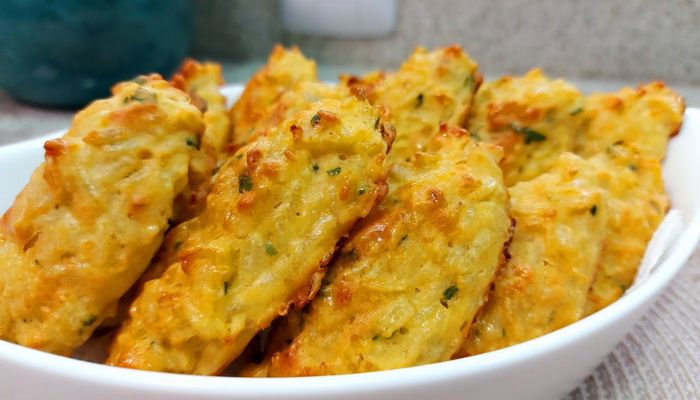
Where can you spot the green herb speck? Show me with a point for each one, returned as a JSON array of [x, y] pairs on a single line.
[[593, 209], [315, 120], [449, 293], [193, 142], [469, 81], [632, 167], [352, 254], [315, 167], [334, 171], [141, 95], [376, 123], [361, 191], [576, 111], [403, 238], [269, 249], [226, 287], [419, 100], [89, 320], [530, 134], [245, 183]]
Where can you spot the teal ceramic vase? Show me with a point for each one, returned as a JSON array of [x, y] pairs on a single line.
[[68, 52]]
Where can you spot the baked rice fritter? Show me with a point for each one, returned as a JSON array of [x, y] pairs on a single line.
[[560, 219], [535, 120], [203, 81], [645, 118], [431, 88], [270, 225], [284, 69], [637, 204], [93, 214], [626, 134], [407, 284]]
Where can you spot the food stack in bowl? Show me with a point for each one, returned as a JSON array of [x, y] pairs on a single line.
[[394, 219]]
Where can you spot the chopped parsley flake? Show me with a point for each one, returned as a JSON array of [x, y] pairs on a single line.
[[315, 167], [226, 287], [315, 120], [269, 249], [593, 210], [89, 320], [141, 95], [193, 142], [352, 254], [419, 100], [403, 238], [334, 171], [530, 134], [450, 292], [245, 183], [469, 81], [576, 111], [376, 123]]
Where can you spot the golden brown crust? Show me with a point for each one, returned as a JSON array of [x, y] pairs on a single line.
[[626, 133], [269, 226], [202, 81], [284, 69], [645, 117], [560, 219], [638, 203], [534, 119], [412, 274], [93, 214], [430, 88]]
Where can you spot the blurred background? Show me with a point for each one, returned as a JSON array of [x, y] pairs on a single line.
[[632, 40], [63, 53]]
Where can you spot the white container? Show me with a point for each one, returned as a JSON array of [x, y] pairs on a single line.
[[345, 19], [543, 368]]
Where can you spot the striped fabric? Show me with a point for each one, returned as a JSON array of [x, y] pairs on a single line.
[[660, 358]]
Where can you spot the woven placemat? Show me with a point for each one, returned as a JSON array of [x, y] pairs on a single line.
[[660, 357]]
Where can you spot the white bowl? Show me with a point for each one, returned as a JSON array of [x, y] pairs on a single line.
[[546, 367]]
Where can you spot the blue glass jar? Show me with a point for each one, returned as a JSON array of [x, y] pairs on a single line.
[[65, 53]]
